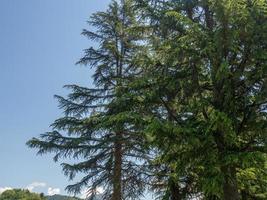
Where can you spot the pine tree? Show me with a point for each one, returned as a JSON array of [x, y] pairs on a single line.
[[159, 75], [97, 128], [207, 73]]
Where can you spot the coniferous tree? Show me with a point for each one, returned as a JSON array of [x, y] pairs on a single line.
[[205, 85], [158, 76], [97, 128]]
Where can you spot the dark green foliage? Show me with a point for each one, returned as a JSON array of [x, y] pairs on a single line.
[[205, 85], [18, 194]]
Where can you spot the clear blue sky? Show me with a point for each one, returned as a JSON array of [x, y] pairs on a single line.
[[40, 42]]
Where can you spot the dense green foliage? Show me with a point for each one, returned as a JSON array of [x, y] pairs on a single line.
[[18, 194], [207, 73], [180, 99]]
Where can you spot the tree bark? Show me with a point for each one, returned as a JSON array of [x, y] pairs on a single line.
[[230, 189], [244, 195], [117, 188], [175, 191]]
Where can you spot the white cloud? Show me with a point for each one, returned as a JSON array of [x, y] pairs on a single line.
[[2, 189], [53, 191], [86, 193], [31, 187], [34, 185]]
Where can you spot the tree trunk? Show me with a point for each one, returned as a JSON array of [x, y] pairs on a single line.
[[117, 188], [244, 195], [230, 190], [175, 191]]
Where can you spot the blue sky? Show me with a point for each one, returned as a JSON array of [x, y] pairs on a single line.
[[40, 42]]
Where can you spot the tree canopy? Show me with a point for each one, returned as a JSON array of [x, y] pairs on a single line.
[[179, 105], [18, 194]]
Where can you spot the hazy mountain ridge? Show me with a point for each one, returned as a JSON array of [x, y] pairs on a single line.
[[62, 197]]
